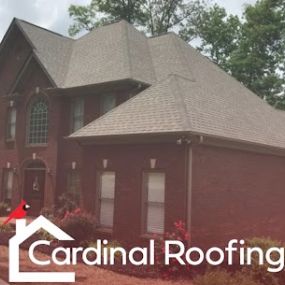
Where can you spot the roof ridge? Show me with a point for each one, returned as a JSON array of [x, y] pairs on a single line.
[[115, 22], [179, 98], [44, 29]]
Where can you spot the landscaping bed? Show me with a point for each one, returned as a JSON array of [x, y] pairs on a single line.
[[84, 274]]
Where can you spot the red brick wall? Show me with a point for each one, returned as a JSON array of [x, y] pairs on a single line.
[[59, 152], [70, 151], [236, 194], [18, 152], [129, 162], [13, 56]]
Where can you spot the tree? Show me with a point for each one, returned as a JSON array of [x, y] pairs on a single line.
[[252, 49], [100, 12], [155, 17], [258, 61], [218, 32]]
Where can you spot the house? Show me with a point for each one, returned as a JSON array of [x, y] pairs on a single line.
[[147, 130]]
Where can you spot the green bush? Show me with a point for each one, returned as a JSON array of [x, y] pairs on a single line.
[[45, 235], [79, 225], [6, 228], [48, 213], [222, 277], [67, 202], [111, 244], [260, 272], [4, 209]]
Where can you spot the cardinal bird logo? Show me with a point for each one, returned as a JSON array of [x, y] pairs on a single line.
[[19, 213]]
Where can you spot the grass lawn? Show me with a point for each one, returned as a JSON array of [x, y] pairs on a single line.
[[84, 274]]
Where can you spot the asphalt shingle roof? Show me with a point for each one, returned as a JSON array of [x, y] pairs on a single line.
[[178, 104], [53, 50], [188, 93]]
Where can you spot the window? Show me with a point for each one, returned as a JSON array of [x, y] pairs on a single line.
[[154, 196], [77, 117], [11, 124], [106, 199], [73, 182], [108, 103], [38, 122], [7, 186]]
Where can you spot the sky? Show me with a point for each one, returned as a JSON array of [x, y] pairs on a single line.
[[53, 14]]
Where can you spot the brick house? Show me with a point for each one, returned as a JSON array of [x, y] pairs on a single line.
[[147, 130]]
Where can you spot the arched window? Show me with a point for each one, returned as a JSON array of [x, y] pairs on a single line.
[[38, 122]]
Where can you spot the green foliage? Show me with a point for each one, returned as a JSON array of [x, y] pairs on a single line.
[[218, 32], [260, 272], [222, 277], [81, 226], [6, 228], [4, 209], [48, 213], [258, 61], [67, 202], [252, 49], [154, 16], [45, 235], [111, 244]]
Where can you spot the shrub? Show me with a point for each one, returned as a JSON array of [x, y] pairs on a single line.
[[111, 244], [6, 228], [48, 213], [67, 202], [79, 225], [222, 277], [260, 272], [45, 235], [4, 209], [174, 269]]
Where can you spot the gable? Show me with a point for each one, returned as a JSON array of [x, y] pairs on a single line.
[[14, 52], [31, 75]]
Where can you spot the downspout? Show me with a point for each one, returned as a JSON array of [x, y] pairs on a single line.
[[189, 169]]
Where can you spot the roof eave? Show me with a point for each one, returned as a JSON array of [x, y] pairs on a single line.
[[194, 138]]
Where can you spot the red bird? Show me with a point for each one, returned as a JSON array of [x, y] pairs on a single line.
[[19, 213]]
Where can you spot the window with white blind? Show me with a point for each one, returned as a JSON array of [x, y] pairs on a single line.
[[77, 116], [154, 198], [73, 182], [108, 102], [7, 185], [106, 199], [11, 124]]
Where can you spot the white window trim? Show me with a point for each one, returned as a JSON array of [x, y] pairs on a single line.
[[108, 225], [147, 203]]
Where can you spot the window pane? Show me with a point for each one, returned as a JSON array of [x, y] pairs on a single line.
[[108, 103], [38, 125], [107, 195], [108, 185], [73, 182], [11, 123], [7, 184], [107, 213], [155, 218], [77, 114], [155, 185], [155, 196]]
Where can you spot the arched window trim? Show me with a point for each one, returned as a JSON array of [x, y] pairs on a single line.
[[38, 126]]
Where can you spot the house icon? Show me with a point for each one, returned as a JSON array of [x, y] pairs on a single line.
[[23, 232]]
